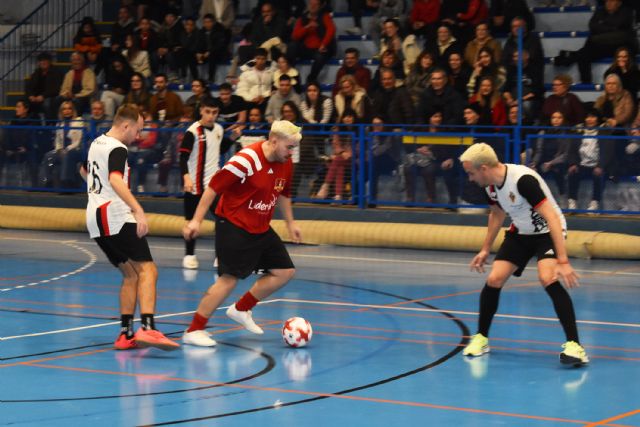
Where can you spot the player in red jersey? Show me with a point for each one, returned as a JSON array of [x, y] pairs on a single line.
[[250, 185]]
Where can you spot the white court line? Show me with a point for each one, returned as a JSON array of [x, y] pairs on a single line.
[[70, 243]]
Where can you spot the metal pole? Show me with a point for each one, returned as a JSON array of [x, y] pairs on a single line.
[[516, 139]]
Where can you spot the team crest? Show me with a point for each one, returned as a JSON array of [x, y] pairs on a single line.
[[279, 184], [512, 197]]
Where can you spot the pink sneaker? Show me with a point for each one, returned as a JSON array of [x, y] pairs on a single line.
[[124, 343], [152, 338]]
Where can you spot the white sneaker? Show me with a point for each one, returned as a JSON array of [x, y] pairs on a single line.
[[593, 205], [140, 188], [572, 204], [200, 338], [355, 31], [245, 319], [190, 262]]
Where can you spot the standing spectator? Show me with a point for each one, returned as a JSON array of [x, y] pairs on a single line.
[[485, 66], [459, 73], [315, 107], [303, 156], [624, 65], [188, 49], [284, 93], [387, 9], [270, 25], [20, 146], [138, 94], [233, 111], [352, 97], [420, 161], [439, 96], [532, 85], [493, 109], [169, 43], [444, 44], [255, 81], [87, 40], [284, 67], [43, 86], [67, 145], [143, 153], [200, 90], [386, 153], [419, 77], [137, 58], [424, 18], [147, 40], [165, 105], [340, 159], [119, 81], [79, 84], [212, 47], [590, 157], [550, 154], [483, 38], [561, 99], [393, 103], [502, 13], [313, 37], [351, 65]]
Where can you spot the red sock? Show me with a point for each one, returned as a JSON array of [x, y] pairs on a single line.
[[246, 303], [198, 323]]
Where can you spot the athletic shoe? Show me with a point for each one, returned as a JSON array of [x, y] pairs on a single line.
[[573, 354], [354, 31], [572, 204], [153, 338], [478, 346], [593, 205], [190, 262], [245, 319], [200, 338], [124, 343]]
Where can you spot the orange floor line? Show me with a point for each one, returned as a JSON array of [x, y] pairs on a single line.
[[615, 418]]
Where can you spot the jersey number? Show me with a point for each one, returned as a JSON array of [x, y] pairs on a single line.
[[96, 184]]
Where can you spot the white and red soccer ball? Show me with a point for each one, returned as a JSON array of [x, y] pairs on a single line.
[[297, 332]]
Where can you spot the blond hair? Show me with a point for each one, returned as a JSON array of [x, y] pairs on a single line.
[[127, 112], [480, 154]]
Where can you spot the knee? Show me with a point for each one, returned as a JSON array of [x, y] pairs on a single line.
[[547, 278], [149, 270], [286, 274], [495, 281]]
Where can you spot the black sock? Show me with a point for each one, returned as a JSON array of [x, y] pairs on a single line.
[[190, 246], [564, 309], [147, 321], [489, 298], [126, 325]]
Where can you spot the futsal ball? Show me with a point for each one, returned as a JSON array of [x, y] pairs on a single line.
[[297, 332]]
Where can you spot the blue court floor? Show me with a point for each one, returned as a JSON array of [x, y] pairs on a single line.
[[389, 326]]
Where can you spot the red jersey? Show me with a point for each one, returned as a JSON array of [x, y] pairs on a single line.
[[249, 186]]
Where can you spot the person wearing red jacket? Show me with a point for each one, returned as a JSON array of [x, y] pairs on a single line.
[[424, 18], [313, 37], [351, 65]]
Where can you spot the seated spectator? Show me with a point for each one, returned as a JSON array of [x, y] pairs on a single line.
[[254, 84], [188, 49], [313, 37], [143, 152], [87, 40], [424, 18], [492, 108], [421, 161], [352, 97], [444, 45], [233, 111], [502, 12], [119, 81], [212, 46], [43, 86], [630, 163], [271, 26], [550, 154], [79, 84], [351, 65], [387, 9], [137, 58], [357, 8], [419, 77], [486, 67], [483, 38], [284, 93], [165, 105], [256, 123], [392, 102], [532, 85], [169, 37], [624, 65], [124, 26], [459, 73], [289, 9], [147, 40], [98, 122], [609, 28], [391, 38], [284, 67], [392, 62], [341, 153], [67, 146], [439, 96], [138, 94], [222, 12], [21, 146], [590, 157], [530, 42], [616, 106], [200, 90], [315, 107], [561, 99]]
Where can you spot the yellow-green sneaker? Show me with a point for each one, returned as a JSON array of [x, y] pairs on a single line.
[[478, 346], [573, 354]]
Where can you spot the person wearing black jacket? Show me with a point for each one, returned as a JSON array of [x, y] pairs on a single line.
[[169, 43], [43, 87], [440, 96], [393, 104], [502, 13], [211, 44], [188, 48]]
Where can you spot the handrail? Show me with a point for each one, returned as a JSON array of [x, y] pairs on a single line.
[[23, 21]]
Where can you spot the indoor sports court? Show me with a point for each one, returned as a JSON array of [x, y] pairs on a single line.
[[388, 329]]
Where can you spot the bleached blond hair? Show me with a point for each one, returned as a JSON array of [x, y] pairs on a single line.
[[480, 154]]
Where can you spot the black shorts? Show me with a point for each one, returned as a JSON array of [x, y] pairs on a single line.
[[518, 249], [240, 253], [124, 246]]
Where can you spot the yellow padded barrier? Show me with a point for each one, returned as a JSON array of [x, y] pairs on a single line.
[[582, 244]]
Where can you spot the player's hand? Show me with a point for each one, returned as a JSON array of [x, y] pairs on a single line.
[[191, 230], [567, 275], [142, 227], [188, 184], [295, 233], [478, 261]]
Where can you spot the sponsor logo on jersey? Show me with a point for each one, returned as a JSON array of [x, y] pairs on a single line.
[[270, 171], [262, 206], [512, 197]]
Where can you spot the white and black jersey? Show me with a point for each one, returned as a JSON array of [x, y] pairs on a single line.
[[106, 211], [521, 193], [200, 153]]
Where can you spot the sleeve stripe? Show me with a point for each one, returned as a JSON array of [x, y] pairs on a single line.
[[540, 203], [243, 161], [234, 170], [255, 158]]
